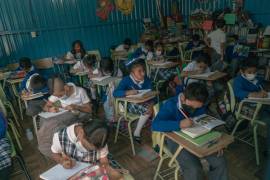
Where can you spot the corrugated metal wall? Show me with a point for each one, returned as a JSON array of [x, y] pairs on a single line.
[[59, 22], [260, 10]]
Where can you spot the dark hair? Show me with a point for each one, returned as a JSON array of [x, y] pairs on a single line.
[[90, 60], [106, 65], [127, 41], [51, 82], [249, 62], [37, 82], [203, 58], [137, 63], [220, 23], [195, 37], [235, 37], [25, 62], [83, 52], [96, 132], [149, 43], [196, 91]]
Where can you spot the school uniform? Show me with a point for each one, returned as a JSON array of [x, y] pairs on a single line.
[[167, 120], [66, 141], [27, 78], [129, 83], [76, 56]]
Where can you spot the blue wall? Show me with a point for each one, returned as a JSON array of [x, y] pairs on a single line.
[[260, 10], [59, 22]]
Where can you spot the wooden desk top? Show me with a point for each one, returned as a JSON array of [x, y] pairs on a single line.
[[148, 96], [106, 81], [204, 151], [213, 77], [163, 65], [15, 81], [32, 96], [65, 61]]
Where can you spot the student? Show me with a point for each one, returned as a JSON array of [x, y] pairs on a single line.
[[29, 69], [130, 85], [125, 46], [144, 52], [216, 40], [199, 66], [5, 150], [83, 142], [171, 118], [194, 43], [77, 52], [159, 52], [67, 96], [36, 84]]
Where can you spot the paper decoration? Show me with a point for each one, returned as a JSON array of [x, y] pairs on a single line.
[[125, 6], [207, 25], [104, 9], [230, 19]]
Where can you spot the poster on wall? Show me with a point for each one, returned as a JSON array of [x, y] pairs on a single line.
[[105, 7], [125, 6]]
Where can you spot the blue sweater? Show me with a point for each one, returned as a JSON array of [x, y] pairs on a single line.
[[3, 126], [169, 117], [27, 76], [127, 84], [242, 87]]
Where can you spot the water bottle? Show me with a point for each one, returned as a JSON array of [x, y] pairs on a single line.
[[29, 134]]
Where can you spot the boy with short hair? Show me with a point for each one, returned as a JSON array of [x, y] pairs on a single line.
[[171, 118]]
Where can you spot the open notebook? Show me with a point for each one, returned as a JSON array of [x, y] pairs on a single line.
[[202, 125], [204, 75], [261, 99], [47, 115], [100, 78], [140, 94], [59, 173]]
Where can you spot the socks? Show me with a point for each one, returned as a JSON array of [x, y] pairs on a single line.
[[140, 124]]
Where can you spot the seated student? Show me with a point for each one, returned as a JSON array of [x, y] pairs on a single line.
[[125, 46], [171, 118], [130, 85], [36, 84], [83, 142], [67, 96], [77, 52], [159, 52], [5, 150], [29, 69], [199, 66], [194, 43], [144, 52]]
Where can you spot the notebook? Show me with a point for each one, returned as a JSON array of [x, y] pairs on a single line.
[[202, 125], [206, 139], [100, 78], [59, 173], [140, 94], [47, 115], [204, 75]]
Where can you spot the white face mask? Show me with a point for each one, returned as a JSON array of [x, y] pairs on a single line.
[[80, 147], [158, 53], [250, 77]]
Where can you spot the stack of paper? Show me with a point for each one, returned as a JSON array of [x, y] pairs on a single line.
[[140, 94]]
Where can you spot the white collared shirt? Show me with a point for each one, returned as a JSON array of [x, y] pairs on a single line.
[[56, 146], [79, 97], [135, 82], [217, 38]]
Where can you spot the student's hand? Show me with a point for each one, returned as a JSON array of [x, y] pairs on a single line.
[[71, 107], [131, 92], [53, 109], [264, 93], [186, 123], [67, 162]]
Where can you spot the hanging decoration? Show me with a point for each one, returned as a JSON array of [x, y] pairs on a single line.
[[125, 6], [105, 7]]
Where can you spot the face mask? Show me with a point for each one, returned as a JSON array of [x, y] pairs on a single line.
[[188, 109], [158, 53], [250, 77]]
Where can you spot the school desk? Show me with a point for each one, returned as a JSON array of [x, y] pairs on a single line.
[[118, 56], [200, 152], [60, 64], [13, 83], [30, 97], [155, 65], [81, 76], [217, 75]]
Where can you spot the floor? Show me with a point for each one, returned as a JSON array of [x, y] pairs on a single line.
[[240, 159]]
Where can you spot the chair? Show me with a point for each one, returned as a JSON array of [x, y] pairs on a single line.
[[240, 109], [97, 54], [16, 156], [186, 56], [157, 139]]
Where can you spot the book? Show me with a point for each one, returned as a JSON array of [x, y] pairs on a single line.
[[47, 115], [59, 173], [206, 139], [92, 172], [100, 78], [140, 94], [202, 125], [28, 97]]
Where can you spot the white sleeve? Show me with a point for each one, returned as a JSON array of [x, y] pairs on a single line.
[[223, 38], [69, 55], [77, 65], [120, 48], [53, 98], [56, 146], [104, 152], [189, 67], [84, 97]]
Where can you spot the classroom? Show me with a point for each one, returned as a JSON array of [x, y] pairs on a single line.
[[134, 89]]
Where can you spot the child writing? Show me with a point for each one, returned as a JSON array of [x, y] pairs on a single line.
[[130, 85], [83, 142], [172, 117], [77, 52], [125, 46]]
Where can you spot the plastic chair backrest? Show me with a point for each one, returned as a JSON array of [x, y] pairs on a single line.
[[182, 46], [13, 150], [45, 63], [3, 108], [3, 96], [232, 96]]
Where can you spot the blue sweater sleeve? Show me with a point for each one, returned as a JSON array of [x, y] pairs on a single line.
[[189, 46], [120, 91], [3, 126], [239, 91]]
